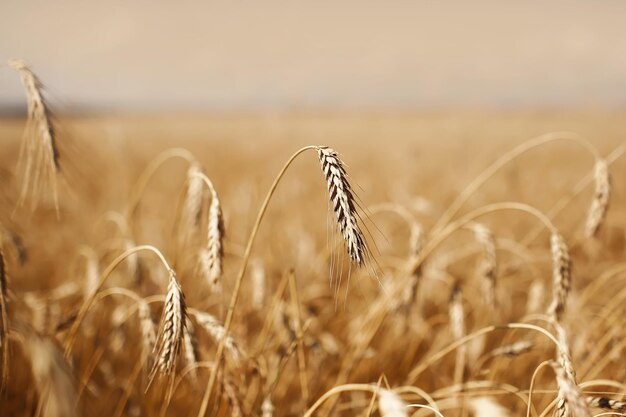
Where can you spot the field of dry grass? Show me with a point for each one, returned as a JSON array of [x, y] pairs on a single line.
[[467, 312]]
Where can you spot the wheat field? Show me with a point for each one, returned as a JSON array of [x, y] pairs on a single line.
[[466, 264]]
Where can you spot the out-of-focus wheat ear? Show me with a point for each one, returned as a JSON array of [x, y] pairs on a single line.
[[216, 330], [230, 391], [210, 256], [607, 404], [570, 398], [391, 405], [342, 201], [147, 329], [561, 276], [171, 330], [92, 273], [267, 408], [457, 327], [257, 276], [39, 155], [4, 321], [514, 349], [487, 407], [487, 269], [535, 298], [192, 206], [190, 343], [600, 202], [53, 378]]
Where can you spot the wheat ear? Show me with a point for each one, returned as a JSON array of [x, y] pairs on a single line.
[[600, 201], [53, 378], [607, 404], [147, 328], [193, 201], [171, 329], [190, 343], [488, 264], [570, 398], [561, 276], [210, 256], [216, 330], [342, 200], [39, 155]]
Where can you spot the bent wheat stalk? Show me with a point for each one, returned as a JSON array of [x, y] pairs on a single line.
[[467, 192], [246, 257]]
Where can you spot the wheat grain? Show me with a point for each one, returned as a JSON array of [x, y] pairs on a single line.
[[342, 200], [600, 202]]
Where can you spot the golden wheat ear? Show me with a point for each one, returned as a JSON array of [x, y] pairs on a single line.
[[343, 205], [38, 161], [171, 330]]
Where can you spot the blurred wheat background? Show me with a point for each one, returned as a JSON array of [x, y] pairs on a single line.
[[462, 254]]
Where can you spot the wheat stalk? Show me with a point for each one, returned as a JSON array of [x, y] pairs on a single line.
[[600, 201], [39, 155], [342, 200], [171, 329], [561, 276]]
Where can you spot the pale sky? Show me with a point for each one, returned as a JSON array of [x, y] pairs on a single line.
[[188, 55]]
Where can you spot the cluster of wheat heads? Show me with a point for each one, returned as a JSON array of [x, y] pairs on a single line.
[[191, 305]]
